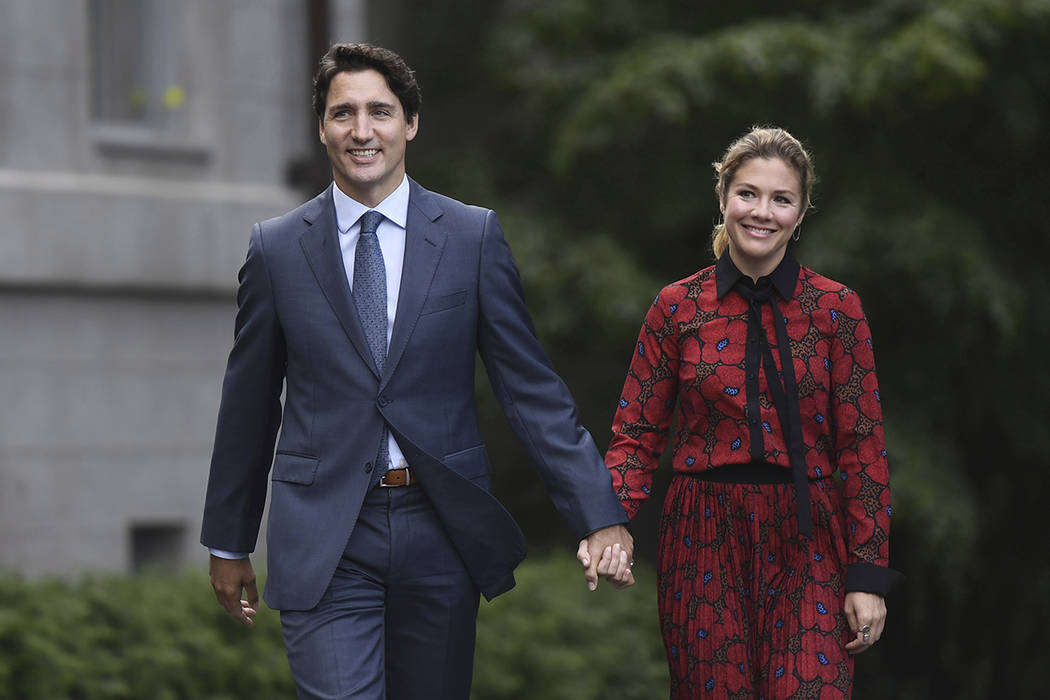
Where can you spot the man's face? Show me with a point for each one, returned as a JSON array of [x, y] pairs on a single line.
[[365, 131]]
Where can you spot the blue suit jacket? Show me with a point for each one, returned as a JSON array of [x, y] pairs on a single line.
[[297, 328]]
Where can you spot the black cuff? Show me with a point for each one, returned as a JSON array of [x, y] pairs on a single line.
[[871, 578]]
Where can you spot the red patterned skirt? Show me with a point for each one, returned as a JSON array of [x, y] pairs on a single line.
[[747, 609]]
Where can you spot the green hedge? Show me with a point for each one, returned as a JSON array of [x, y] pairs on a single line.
[[117, 638], [553, 639], [131, 639]]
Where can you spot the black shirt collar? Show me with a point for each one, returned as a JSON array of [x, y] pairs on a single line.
[[783, 278]]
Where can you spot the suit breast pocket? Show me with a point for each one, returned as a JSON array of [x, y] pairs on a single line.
[[443, 302], [294, 469]]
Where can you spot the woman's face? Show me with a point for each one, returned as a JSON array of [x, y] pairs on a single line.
[[762, 207]]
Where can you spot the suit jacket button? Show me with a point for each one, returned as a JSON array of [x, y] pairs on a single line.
[[384, 401], [368, 467]]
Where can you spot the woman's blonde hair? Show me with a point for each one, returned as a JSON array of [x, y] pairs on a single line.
[[760, 142]]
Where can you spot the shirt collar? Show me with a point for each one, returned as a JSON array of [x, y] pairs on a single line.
[[349, 210], [783, 278]]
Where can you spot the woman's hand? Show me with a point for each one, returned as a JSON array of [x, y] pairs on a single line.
[[616, 566], [866, 614], [614, 563]]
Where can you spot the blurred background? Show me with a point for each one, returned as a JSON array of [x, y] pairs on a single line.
[[140, 139]]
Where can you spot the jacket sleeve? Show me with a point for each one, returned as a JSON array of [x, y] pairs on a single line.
[[535, 400], [249, 412]]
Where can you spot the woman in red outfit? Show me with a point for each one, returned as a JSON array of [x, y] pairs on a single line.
[[773, 544]]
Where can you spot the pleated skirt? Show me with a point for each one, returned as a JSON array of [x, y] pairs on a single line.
[[748, 609]]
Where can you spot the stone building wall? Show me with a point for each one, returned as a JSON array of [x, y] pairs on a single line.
[[139, 141]]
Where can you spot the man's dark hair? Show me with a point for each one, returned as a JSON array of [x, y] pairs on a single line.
[[359, 57]]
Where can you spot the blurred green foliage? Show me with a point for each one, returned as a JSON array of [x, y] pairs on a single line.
[[593, 123], [551, 638], [119, 638], [131, 638]]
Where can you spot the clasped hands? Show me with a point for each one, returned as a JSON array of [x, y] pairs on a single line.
[[608, 553]]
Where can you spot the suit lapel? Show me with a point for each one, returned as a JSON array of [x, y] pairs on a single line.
[[320, 244], [424, 242]]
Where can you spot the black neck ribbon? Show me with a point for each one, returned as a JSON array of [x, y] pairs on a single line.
[[782, 386]]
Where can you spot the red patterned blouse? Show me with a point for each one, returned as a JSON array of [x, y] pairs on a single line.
[[693, 350]]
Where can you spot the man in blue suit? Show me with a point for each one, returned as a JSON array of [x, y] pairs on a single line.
[[367, 305]]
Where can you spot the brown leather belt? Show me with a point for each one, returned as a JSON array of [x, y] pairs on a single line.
[[397, 477]]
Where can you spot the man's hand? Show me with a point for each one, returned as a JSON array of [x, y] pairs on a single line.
[[229, 577], [607, 552]]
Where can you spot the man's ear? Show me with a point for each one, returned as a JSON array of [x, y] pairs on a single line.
[[320, 130], [412, 127]]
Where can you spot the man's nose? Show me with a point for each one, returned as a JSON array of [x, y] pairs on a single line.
[[361, 128]]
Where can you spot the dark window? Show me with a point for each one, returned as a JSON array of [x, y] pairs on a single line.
[[157, 546], [135, 51]]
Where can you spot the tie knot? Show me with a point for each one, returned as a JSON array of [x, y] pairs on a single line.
[[370, 221]]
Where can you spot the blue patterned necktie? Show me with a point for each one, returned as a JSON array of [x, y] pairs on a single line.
[[370, 298]]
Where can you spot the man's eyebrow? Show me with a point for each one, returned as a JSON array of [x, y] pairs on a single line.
[[339, 107], [375, 104]]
